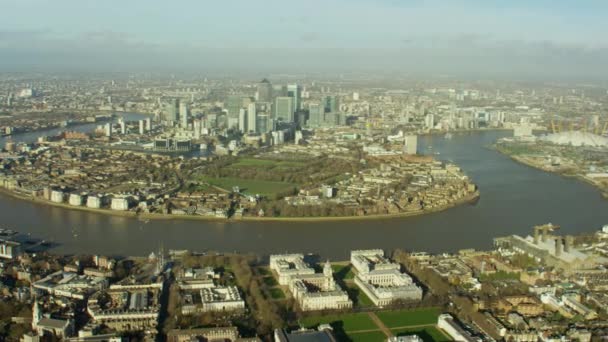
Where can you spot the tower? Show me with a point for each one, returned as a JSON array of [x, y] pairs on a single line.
[[36, 315], [295, 91], [264, 91], [284, 108]]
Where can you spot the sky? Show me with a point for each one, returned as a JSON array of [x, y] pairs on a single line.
[[541, 38]]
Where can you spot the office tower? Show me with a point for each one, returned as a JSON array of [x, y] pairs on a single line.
[[148, 124], [411, 144], [234, 103], [123, 128], [298, 137], [142, 127], [108, 130], [295, 91], [264, 91], [183, 114], [262, 123], [316, 115], [429, 121], [243, 120], [331, 104], [197, 129], [171, 110], [284, 108], [355, 96], [252, 118]]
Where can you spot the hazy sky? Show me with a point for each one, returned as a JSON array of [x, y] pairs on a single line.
[[543, 37]]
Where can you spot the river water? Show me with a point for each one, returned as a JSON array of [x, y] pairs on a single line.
[[514, 198]]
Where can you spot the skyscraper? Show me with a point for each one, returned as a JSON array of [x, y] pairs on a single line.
[[411, 144], [284, 108], [243, 120], [252, 118], [234, 103], [171, 110], [331, 104], [264, 91], [316, 115], [295, 91], [183, 114]]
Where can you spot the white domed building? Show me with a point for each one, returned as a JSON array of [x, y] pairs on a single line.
[[576, 138]]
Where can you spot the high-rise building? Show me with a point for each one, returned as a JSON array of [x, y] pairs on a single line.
[[332, 105], [148, 124], [234, 103], [142, 127], [284, 108], [316, 115], [252, 118], [108, 130], [183, 114], [171, 110], [264, 91], [243, 120], [411, 144], [295, 91], [263, 123], [429, 121]]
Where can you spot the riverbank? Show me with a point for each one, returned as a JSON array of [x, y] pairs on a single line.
[[525, 161], [470, 198]]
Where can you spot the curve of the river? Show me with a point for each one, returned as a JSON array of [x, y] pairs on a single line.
[[514, 197]]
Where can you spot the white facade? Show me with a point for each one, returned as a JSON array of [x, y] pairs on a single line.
[[93, 202], [120, 203], [57, 196], [288, 266], [446, 323], [75, 200], [382, 280]]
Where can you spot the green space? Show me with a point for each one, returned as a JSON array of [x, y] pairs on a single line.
[[276, 293], [428, 334], [345, 322], [250, 186], [270, 281], [404, 318], [267, 163], [500, 275], [263, 271], [368, 336], [343, 272]]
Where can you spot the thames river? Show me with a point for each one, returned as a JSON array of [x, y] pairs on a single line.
[[514, 198]]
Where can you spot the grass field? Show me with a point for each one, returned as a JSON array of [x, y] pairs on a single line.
[[346, 322], [343, 272], [270, 281], [368, 336], [250, 186], [403, 318], [267, 163], [276, 293], [428, 334]]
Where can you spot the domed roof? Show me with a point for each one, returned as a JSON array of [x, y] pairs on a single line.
[[576, 138]]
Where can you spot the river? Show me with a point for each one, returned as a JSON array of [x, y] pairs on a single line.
[[514, 198]]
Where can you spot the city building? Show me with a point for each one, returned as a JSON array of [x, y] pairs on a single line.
[[381, 279], [284, 108], [313, 291]]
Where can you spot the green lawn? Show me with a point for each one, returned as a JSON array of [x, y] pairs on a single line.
[[370, 336], [343, 272], [270, 281], [346, 322], [403, 318], [360, 298], [428, 334], [250, 186], [276, 293], [267, 162]]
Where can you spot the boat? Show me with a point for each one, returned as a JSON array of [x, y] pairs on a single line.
[[448, 136]]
